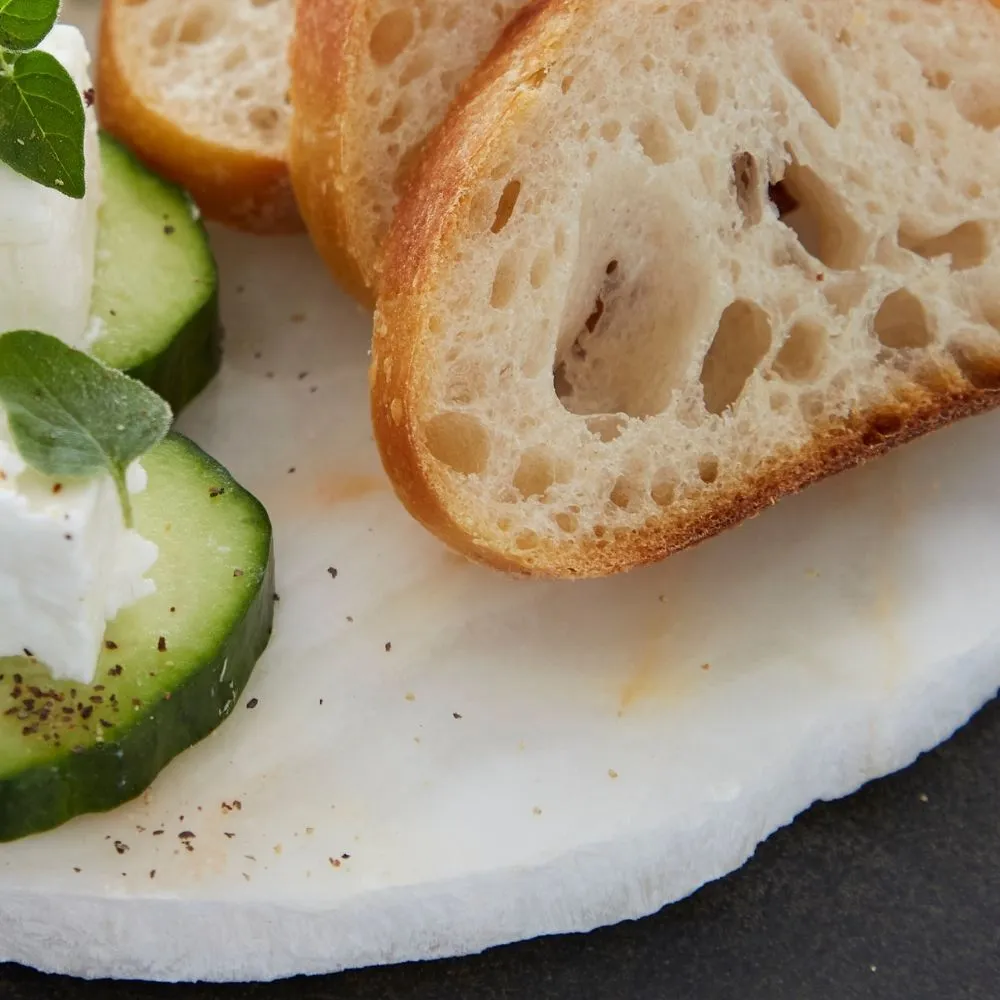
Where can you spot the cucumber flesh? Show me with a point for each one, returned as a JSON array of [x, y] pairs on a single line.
[[155, 282], [174, 664]]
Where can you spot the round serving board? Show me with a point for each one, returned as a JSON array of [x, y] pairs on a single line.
[[432, 758]]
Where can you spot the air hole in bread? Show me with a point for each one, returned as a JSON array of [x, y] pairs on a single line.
[[819, 218], [527, 540], [567, 522], [391, 36], [707, 89], [978, 103], [812, 406], [505, 280], [685, 109], [506, 205], [938, 79], [808, 68], [623, 493], [654, 139], [688, 16], [466, 383], [236, 57], [883, 425], [901, 321], [459, 441], [746, 186], [741, 341], [421, 63], [607, 426], [708, 469], [976, 361], [395, 118], [541, 268], [697, 42], [264, 119], [610, 130], [663, 491], [629, 334], [803, 352], [537, 471], [200, 24], [163, 33], [780, 401], [966, 244], [905, 133]]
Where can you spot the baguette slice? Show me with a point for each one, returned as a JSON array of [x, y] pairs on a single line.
[[199, 90], [667, 262], [370, 80]]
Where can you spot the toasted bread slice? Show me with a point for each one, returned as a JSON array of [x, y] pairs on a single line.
[[200, 91], [370, 80], [667, 262]]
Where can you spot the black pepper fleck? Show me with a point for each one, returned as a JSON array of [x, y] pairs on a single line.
[[252, 703]]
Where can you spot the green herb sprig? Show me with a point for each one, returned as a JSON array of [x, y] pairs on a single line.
[[42, 117], [71, 416]]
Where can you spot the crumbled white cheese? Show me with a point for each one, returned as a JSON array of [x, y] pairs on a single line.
[[47, 240], [68, 564]]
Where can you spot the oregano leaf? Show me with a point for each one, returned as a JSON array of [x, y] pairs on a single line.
[[42, 123], [25, 23], [70, 415]]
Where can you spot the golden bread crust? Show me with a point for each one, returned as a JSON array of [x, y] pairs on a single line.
[[241, 189], [427, 222], [323, 56]]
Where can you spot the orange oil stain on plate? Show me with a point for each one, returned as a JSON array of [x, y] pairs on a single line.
[[337, 488], [658, 672], [298, 494]]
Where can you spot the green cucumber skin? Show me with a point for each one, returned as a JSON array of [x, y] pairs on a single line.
[[189, 363], [190, 357], [105, 775]]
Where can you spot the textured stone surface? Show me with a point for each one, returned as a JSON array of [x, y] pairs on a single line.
[[892, 893]]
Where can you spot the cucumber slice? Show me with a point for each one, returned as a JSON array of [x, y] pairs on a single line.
[[155, 282], [175, 663]]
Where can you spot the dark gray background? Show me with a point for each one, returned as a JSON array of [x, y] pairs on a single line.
[[904, 877]]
